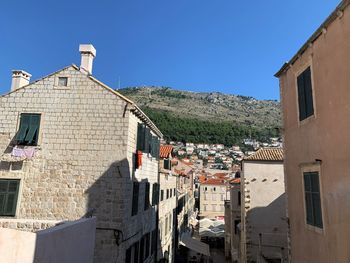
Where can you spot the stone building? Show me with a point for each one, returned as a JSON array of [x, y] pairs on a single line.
[[71, 147], [315, 97], [167, 205], [264, 227], [212, 194], [233, 220]]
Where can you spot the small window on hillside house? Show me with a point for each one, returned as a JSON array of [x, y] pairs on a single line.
[[62, 81], [28, 131], [306, 106], [167, 164], [8, 197], [313, 199]]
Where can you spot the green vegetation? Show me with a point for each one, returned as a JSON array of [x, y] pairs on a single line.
[[177, 128]]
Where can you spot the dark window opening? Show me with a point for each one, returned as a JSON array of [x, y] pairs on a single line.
[[306, 107], [313, 199], [135, 198], [147, 203], [28, 131], [8, 197]]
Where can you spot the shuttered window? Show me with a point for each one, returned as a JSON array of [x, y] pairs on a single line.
[[135, 198], [147, 204], [154, 241], [305, 100], [313, 199], [155, 194], [142, 249], [28, 131], [161, 195], [167, 164], [141, 137], [148, 242], [8, 197]]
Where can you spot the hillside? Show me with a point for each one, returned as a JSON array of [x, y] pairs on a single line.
[[207, 117]]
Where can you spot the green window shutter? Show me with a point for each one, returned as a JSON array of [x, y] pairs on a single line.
[[135, 199], [33, 132], [140, 137], [147, 204], [313, 199], [8, 197], [147, 139], [301, 97], [309, 104], [155, 194], [23, 128]]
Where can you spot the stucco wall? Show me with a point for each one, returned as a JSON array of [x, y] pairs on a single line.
[[264, 209], [69, 242], [325, 137]]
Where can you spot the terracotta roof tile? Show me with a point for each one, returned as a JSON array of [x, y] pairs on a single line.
[[214, 181], [165, 151], [266, 154], [235, 181]]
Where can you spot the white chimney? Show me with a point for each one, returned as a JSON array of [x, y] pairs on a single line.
[[20, 78], [88, 53]]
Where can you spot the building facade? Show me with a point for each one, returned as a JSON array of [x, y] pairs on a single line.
[[315, 97], [264, 226], [72, 147], [213, 193], [167, 206]]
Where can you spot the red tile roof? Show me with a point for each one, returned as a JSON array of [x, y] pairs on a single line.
[[214, 181], [165, 151], [266, 154], [221, 175], [235, 181]]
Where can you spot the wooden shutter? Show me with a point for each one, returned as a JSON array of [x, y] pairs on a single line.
[[301, 97], [148, 239], [33, 132], [135, 198], [155, 194], [8, 197], [147, 140], [23, 128], [140, 137], [142, 249], [147, 204], [309, 104], [313, 199]]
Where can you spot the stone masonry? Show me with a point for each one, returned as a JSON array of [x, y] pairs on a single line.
[[84, 160]]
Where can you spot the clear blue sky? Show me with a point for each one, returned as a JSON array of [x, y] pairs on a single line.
[[231, 46]]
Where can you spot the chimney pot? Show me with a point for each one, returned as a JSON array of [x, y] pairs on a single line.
[[20, 78], [88, 53]]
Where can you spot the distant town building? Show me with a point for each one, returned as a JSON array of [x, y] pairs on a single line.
[[264, 224]]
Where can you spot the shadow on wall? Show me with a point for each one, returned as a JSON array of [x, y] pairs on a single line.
[[271, 223], [110, 200]]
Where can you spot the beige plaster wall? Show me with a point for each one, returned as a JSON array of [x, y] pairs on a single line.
[[325, 137]]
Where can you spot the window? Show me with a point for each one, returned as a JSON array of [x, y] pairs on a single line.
[[205, 189], [128, 255], [167, 193], [174, 192], [155, 194], [28, 132], [170, 192], [161, 195], [214, 189], [306, 107], [147, 204], [236, 226], [239, 198], [142, 249], [148, 241], [154, 241], [136, 252], [313, 199], [62, 81], [135, 198], [8, 197], [167, 164]]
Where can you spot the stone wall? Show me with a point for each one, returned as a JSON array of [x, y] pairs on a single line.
[[84, 158]]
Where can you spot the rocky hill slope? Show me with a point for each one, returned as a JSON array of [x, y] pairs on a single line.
[[189, 116]]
